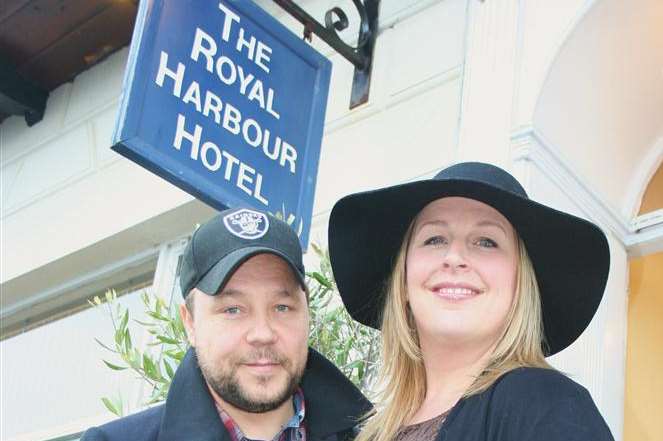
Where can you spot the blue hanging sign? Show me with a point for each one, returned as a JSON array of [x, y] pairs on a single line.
[[226, 103]]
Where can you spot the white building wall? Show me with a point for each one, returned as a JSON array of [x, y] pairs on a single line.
[[53, 376], [63, 188], [72, 207]]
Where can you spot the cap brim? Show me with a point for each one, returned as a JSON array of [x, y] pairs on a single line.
[[570, 255], [217, 277]]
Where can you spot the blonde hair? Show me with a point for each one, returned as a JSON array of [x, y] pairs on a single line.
[[402, 375]]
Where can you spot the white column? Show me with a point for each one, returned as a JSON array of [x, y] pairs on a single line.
[[489, 81], [597, 359]]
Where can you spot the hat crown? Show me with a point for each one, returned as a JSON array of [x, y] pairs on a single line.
[[485, 173], [223, 235]]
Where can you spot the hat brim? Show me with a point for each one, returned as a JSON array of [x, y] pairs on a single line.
[[570, 255], [217, 277]]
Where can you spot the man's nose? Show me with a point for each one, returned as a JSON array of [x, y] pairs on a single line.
[[261, 332]]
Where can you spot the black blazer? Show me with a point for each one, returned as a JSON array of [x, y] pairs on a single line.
[[333, 406], [527, 404]]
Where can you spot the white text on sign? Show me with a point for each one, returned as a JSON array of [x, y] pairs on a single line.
[[230, 56]]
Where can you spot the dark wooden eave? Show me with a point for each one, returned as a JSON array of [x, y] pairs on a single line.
[[19, 96], [45, 43]]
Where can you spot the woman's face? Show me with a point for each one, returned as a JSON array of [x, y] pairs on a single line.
[[461, 272]]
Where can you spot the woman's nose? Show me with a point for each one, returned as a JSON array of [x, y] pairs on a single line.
[[454, 256]]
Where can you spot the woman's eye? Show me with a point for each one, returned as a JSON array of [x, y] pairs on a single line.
[[435, 240], [486, 243]]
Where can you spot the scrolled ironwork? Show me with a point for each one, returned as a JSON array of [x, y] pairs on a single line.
[[341, 23], [336, 20]]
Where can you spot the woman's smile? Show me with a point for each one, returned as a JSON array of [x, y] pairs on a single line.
[[455, 292]]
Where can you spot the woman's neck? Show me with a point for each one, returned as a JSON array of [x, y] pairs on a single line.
[[450, 371]]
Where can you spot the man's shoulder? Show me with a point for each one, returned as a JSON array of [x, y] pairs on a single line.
[[143, 425]]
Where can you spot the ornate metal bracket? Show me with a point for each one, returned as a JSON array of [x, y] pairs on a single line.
[[336, 20]]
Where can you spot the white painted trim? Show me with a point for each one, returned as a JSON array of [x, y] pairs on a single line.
[[639, 236], [647, 220], [534, 147], [166, 270], [648, 238], [80, 282], [644, 173]]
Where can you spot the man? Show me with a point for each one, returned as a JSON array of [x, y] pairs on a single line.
[[249, 374]]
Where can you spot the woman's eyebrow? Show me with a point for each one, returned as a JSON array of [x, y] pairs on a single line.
[[490, 223], [435, 222]]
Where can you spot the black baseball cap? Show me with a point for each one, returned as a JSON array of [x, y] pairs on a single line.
[[229, 239]]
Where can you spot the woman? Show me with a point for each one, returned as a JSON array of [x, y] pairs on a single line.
[[472, 284]]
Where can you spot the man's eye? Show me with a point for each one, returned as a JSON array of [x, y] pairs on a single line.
[[435, 240], [486, 243], [283, 308], [233, 310]]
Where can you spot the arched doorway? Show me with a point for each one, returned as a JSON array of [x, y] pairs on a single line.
[[599, 125], [643, 401]]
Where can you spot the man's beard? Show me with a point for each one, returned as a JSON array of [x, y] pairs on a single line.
[[227, 385]]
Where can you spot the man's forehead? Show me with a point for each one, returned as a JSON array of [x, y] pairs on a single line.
[[230, 291], [264, 266]]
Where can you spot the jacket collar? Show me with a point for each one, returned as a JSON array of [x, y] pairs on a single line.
[[333, 403]]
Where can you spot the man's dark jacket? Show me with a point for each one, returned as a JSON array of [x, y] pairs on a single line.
[[333, 406]]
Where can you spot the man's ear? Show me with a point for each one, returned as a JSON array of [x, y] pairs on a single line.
[[187, 321]]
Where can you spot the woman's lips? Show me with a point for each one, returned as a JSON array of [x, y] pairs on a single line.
[[455, 292]]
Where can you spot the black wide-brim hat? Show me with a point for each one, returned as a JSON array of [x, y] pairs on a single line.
[[570, 255]]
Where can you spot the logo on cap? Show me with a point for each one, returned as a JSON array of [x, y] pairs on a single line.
[[247, 224]]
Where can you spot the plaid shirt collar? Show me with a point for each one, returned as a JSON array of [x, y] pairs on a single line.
[[293, 430]]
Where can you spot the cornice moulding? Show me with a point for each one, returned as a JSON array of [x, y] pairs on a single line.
[[639, 236]]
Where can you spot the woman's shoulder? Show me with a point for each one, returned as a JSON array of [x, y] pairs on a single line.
[[544, 404], [530, 382]]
